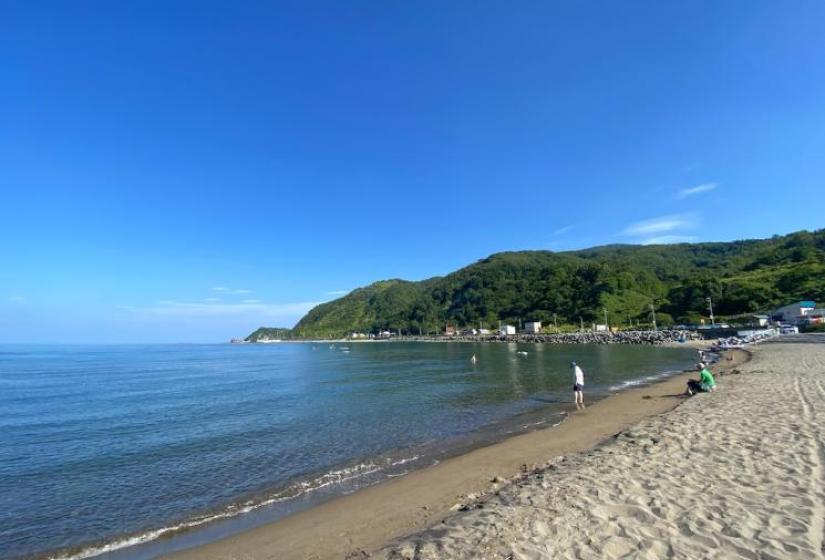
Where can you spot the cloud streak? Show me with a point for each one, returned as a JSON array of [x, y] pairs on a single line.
[[563, 230], [187, 309], [664, 230], [662, 224], [698, 189], [225, 290]]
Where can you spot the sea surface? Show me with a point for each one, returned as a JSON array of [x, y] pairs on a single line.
[[131, 451]]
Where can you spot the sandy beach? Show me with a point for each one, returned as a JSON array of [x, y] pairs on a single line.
[[733, 474], [438, 504]]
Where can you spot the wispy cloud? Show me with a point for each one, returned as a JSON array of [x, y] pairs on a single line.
[[663, 230], [698, 189], [17, 299], [252, 301], [185, 309], [668, 239], [662, 224], [565, 229], [225, 290], [336, 292]]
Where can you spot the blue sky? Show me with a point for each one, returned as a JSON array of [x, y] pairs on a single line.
[[190, 171]]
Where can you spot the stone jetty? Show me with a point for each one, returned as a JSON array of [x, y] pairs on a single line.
[[622, 337]]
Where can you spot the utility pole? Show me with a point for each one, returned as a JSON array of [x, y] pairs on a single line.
[[555, 324], [710, 308], [653, 315], [606, 324], [581, 324]]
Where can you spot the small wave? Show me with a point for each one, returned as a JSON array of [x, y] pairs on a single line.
[[293, 491], [641, 381], [403, 461]]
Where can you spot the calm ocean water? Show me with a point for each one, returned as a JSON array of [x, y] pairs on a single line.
[[107, 446]]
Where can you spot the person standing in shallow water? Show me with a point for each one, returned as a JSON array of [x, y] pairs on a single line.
[[578, 386]]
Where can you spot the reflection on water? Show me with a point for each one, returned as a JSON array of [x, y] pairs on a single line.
[[101, 441]]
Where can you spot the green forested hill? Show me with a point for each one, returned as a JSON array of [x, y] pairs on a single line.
[[741, 276]]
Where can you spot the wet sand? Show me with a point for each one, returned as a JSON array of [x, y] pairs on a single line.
[[363, 522]]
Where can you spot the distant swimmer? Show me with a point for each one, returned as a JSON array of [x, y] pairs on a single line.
[[578, 386], [522, 353], [473, 359]]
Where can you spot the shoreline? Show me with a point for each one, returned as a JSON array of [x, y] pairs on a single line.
[[379, 514]]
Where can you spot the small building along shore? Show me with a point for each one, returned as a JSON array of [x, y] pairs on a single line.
[[799, 313], [532, 327]]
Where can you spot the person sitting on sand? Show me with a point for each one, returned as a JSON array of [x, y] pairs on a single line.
[[578, 386], [705, 383]]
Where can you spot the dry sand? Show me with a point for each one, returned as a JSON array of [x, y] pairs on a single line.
[[354, 525], [733, 474]]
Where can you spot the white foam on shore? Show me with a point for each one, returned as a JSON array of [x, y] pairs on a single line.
[[293, 491], [642, 381]]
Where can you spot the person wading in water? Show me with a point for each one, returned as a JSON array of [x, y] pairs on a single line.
[[578, 386]]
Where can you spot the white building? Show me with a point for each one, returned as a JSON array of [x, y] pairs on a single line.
[[508, 329], [533, 327], [760, 320], [795, 312]]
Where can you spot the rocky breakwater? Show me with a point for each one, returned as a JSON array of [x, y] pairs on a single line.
[[622, 337]]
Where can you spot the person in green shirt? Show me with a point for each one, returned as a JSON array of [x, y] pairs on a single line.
[[705, 383], [706, 380]]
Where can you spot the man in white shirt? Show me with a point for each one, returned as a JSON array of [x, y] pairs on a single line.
[[578, 386]]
